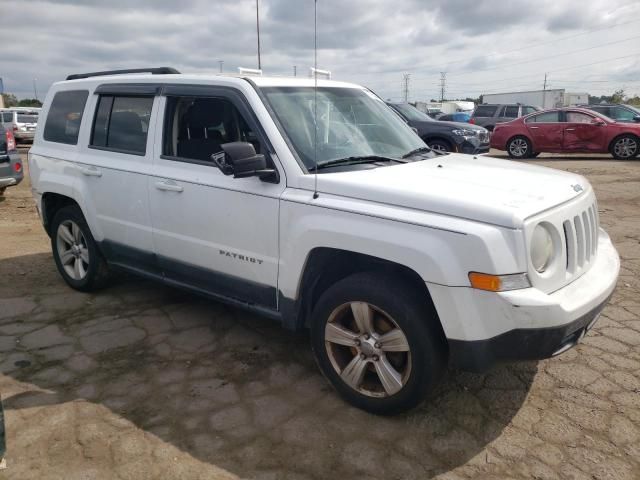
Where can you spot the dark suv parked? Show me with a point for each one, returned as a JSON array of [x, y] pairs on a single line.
[[444, 136], [487, 115], [619, 113]]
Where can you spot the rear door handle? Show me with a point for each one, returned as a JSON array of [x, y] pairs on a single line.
[[569, 129], [91, 171], [169, 186], [534, 128]]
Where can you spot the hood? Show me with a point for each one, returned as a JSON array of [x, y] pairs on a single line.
[[489, 190], [444, 126]]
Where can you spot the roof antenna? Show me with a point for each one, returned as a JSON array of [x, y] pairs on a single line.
[[315, 97]]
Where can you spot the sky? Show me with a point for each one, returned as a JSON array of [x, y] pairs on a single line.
[[483, 46]]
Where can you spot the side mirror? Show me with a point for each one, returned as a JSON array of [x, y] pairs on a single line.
[[636, 118], [598, 122], [240, 160]]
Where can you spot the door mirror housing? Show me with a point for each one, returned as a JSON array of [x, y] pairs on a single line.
[[241, 160], [636, 118], [598, 122]]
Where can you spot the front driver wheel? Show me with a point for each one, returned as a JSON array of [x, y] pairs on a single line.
[[519, 148], [440, 146], [75, 251], [375, 338]]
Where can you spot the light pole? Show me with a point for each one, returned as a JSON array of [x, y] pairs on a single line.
[[258, 30], [221, 62], [35, 89]]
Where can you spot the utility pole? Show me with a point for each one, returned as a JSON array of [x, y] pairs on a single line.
[[405, 86], [258, 30], [221, 62], [295, 71], [35, 89], [443, 85], [544, 92]]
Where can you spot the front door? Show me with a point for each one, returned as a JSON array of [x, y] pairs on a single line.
[[581, 134], [546, 131], [211, 231]]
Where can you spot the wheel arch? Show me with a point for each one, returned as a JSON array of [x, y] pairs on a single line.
[[325, 266], [51, 203]]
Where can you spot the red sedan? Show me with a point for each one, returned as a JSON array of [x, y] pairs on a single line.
[[567, 130]]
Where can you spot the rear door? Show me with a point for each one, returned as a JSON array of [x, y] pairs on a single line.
[[546, 131], [581, 134], [112, 171]]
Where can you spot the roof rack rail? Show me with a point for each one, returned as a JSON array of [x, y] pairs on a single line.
[[153, 71]]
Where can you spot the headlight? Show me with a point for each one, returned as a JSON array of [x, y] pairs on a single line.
[[541, 248], [465, 133]]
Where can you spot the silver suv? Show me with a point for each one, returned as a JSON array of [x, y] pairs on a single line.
[[487, 115], [21, 121]]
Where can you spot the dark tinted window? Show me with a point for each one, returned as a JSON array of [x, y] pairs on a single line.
[[603, 110], [196, 128], [547, 117], [619, 113], [27, 118], [65, 116], [485, 111], [510, 111], [7, 117], [122, 123]]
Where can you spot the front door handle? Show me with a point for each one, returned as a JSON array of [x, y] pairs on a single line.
[[534, 128], [91, 171], [169, 186], [569, 129]]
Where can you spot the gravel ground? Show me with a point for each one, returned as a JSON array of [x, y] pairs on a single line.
[[141, 381]]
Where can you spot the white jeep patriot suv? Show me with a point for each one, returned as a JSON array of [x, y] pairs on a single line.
[[316, 205]]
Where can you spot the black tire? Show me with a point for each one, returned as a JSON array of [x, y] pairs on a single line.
[[440, 145], [414, 316], [97, 272], [534, 154], [2, 190], [632, 147], [519, 147]]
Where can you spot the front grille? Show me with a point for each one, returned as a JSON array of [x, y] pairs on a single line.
[[581, 238]]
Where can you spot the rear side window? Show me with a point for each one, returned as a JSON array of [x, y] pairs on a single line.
[[122, 123], [7, 117], [510, 111], [65, 116], [547, 117], [485, 111]]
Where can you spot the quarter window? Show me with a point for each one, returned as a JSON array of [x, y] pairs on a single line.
[[485, 111], [122, 123], [65, 116], [547, 117]]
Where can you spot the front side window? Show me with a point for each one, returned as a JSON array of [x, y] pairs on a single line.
[[547, 117], [578, 117], [346, 122], [195, 128], [65, 116], [122, 123], [619, 113]]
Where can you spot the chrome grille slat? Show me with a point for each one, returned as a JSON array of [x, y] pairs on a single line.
[[581, 238], [577, 223], [587, 236]]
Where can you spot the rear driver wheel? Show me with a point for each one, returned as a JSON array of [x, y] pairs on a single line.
[[519, 148], [375, 339]]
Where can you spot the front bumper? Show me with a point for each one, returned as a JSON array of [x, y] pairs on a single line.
[[471, 145], [484, 328]]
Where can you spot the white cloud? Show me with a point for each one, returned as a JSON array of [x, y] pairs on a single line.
[[484, 46]]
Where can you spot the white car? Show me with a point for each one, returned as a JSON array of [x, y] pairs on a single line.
[[319, 207]]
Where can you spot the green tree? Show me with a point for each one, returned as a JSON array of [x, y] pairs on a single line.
[[618, 96], [10, 100], [29, 102]]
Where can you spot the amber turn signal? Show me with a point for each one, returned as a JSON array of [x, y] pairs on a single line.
[[498, 283]]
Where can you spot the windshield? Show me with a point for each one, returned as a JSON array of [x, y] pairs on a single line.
[[411, 113], [351, 122]]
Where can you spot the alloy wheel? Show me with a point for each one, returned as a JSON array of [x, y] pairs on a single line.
[[367, 349], [72, 250], [626, 147], [518, 147]]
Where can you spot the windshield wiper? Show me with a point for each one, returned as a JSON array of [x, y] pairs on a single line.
[[417, 150], [355, 160]]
